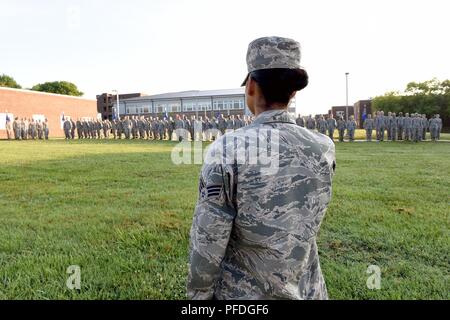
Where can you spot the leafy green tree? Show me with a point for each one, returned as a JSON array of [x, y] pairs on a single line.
[[428, 97], [9, 82], [59, 87]]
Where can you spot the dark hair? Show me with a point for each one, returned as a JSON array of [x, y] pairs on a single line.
[[277, 85]]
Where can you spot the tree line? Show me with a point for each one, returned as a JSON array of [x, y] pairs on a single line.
[[429, 97], [59, 87]]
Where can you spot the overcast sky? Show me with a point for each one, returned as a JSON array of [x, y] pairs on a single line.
[[165, 46]]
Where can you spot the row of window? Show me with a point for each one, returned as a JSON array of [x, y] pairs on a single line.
[[190, 106]]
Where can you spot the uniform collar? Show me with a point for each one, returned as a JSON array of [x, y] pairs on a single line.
[[272, 116]]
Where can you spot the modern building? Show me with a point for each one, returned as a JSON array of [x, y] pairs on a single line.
[[105, 102], [199, 103], [40, 106], [362, 109]]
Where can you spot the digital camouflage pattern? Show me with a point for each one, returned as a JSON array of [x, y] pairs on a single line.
[[254, 235], [271, 53]]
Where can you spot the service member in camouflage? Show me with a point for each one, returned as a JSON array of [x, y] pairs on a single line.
[[393, 127], [322, 125], [368, 126], [300, 122], [331, 126], [341, 126], [351, 127], [254, 233], [310, 123]]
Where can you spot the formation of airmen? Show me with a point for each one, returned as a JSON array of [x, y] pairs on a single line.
[[412, 127], [27, 129], [406, 127], [155, 128]]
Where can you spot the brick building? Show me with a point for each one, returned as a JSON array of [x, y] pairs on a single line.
[[39, 105], [106, 101], [338, 111]]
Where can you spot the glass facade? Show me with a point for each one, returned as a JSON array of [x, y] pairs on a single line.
[[235, 103]]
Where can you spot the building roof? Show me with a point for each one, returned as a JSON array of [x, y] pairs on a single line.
[[191, 94]]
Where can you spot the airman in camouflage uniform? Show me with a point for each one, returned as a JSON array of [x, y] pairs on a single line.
[[322, 125], [79, 129], [434, 128], [23, 129], [439, 121], [400, 125], [253, 234], [67, 126], [46, 128], [179, 128], [388, 122], [331, 125], [40, 130], [300, 122], [341, 126], [106, 128], [417, 128], [351, 127], [72, 129], [393, 127], [310, 123], [127, 125], [380, 125], [368, 126], [407, 126], [424, 126], [222, 124]]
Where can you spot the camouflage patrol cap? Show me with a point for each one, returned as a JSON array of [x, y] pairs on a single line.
[[272, 53]]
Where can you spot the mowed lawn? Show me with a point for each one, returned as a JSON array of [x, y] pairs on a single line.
[[122, 212]]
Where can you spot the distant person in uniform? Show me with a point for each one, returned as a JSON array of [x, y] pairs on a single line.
[[300, 122], [9, 128], [254, 233], [351, 127], [331, 126], [46, 128], [67, 126], [341, 126], [368, 126]]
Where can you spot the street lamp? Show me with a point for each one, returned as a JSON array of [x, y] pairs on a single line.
[[117, 111], [346, 92]]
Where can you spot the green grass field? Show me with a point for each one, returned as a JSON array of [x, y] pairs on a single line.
[[122, 212]]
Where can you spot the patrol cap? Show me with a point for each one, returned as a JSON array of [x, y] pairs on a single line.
[[272, 53]]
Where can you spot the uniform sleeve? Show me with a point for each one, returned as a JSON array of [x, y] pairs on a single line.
[[211, 228]]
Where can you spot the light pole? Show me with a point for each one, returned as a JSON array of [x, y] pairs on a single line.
[[346, 94], [117, 111]]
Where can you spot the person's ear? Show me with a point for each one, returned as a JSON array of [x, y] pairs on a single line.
[[250, 87]]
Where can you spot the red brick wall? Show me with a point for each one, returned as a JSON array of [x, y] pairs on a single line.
[[25, 103]]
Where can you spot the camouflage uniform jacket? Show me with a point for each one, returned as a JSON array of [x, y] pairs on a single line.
[[254, 235]]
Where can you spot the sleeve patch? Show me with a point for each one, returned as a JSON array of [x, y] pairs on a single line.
[[211, 191]]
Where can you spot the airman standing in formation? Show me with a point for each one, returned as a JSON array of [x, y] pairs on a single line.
[[393, 127], [331, 126], [401, 125], [351, 127], [300, 122], [341, 126], [368, 126], [322, 125], [310, 123]]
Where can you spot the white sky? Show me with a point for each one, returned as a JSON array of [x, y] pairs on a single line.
[[164, 46]]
